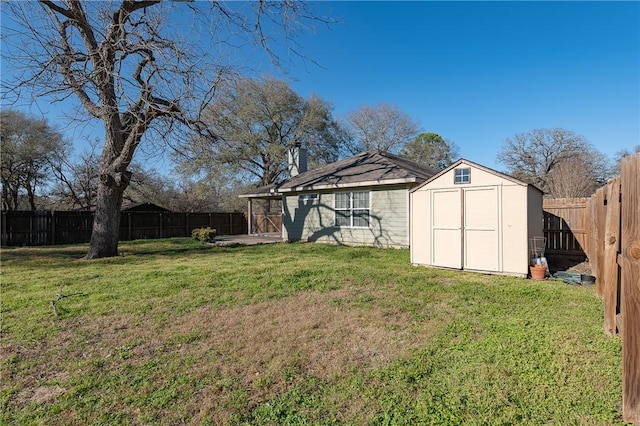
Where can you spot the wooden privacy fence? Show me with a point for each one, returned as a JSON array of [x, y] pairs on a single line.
[[566, 224], [614, 257], [606, 227], [28, 228]]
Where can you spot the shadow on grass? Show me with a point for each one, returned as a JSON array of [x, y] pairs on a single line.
[[128, 250], [181, 248], [29, 254]]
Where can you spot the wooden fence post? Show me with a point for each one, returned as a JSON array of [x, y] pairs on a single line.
[[593, 246], [53, 227], [5, 237], [130, 226], [597, 265], [630, 294], [611, 246]]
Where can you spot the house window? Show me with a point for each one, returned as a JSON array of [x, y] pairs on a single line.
[[352, 209], [462, 176]]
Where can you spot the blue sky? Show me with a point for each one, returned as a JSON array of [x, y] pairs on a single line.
[[479, 72], [474, 72]]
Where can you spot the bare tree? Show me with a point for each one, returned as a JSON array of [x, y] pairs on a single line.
[[130, 66], [570, 178], [76, 178], [26, 143], [383, 127], [534, 156], [148, 186], [617, 158], [77, 182]]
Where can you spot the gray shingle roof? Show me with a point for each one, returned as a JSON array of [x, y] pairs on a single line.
[[369, 168]]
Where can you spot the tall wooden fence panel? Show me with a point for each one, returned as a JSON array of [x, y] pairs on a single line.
[[567, 223], [27, 228], [630, 287], [566, 228], [614, 257], [606, 227]]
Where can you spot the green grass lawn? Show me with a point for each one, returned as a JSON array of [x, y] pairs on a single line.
[[175, 332]]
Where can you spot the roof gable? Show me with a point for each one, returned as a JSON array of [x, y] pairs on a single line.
[[142, 207], [478, 166]]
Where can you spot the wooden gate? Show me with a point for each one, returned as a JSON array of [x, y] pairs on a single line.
[[265, 223]]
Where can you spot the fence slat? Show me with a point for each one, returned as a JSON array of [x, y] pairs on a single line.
[[598, 252], [630, 290], [610, 274]]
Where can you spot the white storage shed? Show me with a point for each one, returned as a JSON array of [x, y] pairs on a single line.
[[472, 217]]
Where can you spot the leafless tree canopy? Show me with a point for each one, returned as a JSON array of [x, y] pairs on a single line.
[[145, 69], [76, 184], [383, 127], [570, 178], [558, 161], [617, 158]]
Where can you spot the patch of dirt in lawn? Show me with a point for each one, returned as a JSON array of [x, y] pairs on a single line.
[[259, 350], [38, 394], [319, 334], [46, 393], [322, 334]]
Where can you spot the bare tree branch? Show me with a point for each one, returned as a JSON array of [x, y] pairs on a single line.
[[140, 69], [542, 157]]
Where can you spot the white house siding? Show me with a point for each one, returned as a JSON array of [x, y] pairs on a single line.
[[315, 221]]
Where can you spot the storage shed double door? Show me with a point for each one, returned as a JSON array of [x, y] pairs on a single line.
[[465, 228]]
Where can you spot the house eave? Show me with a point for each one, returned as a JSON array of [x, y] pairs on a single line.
[[349, 185], [266, 196]]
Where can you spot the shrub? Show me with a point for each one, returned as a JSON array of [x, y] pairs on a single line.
[[206, 235]]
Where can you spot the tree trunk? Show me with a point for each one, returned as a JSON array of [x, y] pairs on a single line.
[[31, 197], [106, 223], [15, 198], [6, 198], [113, 179]]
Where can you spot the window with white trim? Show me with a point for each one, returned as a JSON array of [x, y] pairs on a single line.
[[462, 175], [352, 209]]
